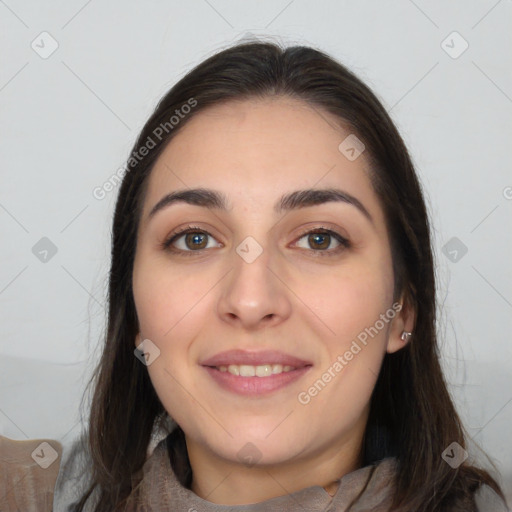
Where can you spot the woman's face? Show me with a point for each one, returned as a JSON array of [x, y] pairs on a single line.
[[249, 279]]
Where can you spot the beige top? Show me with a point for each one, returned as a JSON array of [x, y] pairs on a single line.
[[28, 472], [160, 490]]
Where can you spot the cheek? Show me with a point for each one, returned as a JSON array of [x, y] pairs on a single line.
[[351, 303], [164, 298], [350, 298], [171, 313]]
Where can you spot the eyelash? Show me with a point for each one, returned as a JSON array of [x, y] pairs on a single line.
[[344, 243]]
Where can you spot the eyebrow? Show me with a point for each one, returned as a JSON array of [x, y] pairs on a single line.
[[214, 200]]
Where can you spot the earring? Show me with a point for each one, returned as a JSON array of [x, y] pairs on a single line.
[[405, 336]]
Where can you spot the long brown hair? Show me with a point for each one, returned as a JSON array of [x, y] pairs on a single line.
[[412, 415]]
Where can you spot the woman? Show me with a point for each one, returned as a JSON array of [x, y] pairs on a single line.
[[272, 272]]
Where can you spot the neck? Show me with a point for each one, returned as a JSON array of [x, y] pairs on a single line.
[[225, 482]]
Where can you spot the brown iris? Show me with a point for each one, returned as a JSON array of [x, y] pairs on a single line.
[[313, 238], [193, 237]]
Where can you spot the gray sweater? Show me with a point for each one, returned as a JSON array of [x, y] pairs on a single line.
[[160, 490]]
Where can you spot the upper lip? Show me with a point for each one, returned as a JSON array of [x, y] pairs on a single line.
[[254, 358]]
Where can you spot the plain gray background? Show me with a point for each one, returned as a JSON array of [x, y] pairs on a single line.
[[69, 119]]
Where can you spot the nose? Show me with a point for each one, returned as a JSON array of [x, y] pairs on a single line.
[[254, 295]]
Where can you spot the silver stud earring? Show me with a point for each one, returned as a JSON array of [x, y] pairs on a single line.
[[405, 336]]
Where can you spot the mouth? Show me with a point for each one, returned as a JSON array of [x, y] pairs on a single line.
[[264, 370], [255, 373]]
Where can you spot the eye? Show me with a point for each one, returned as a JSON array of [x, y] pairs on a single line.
[[194, 239], [319, 239]]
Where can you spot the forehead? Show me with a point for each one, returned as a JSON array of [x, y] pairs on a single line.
[[256, 150]]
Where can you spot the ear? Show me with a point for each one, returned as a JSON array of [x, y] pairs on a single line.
[[138, 339], [404, 320]]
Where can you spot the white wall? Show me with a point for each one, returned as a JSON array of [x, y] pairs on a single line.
[[69, 120]]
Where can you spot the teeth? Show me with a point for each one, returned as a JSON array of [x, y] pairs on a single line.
[[277, 368], [246, 370], [263, 370]]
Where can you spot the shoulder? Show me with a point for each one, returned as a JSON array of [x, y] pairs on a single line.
[[74, 474], [487, 500], [28, 470]]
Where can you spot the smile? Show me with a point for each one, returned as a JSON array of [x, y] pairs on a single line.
[[255, 381], [264, 370]]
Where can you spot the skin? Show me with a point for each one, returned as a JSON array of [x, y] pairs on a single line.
[[312, 307]]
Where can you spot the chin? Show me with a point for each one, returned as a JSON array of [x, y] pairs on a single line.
[[259, 447]]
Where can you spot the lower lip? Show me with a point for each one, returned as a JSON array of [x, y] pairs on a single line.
[[253, 386]]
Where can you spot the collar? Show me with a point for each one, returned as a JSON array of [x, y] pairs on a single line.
[[160, 490]]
